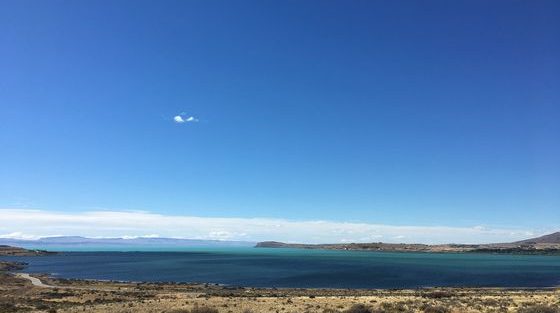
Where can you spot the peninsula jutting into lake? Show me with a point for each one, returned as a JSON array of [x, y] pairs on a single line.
[[546, 244]]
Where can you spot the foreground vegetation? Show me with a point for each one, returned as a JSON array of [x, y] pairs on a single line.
[[73, 296]]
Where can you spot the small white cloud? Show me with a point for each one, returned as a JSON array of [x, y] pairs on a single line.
[[182, 118], [178, 119], [140, 237], [221, 235]]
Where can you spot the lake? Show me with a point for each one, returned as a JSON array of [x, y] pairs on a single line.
[[263, 267]]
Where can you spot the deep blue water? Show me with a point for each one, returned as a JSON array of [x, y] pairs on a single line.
[[260, 267]]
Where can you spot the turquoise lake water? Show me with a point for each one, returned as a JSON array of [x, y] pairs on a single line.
[[261, 267]]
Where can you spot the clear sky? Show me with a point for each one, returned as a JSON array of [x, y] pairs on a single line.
[[422, 113]]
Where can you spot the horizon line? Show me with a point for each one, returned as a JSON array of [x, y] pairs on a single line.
[[33, 223]]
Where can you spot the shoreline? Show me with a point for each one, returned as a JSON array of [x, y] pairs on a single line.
[[53, 277], [20, 294], [545, 249]]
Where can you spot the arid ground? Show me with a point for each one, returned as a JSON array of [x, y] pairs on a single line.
[[18, 294]]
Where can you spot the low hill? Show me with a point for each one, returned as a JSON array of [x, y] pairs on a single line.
[[15, 251], [549, 244], [551, 239]]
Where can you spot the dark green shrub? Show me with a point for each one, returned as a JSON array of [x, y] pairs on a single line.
[[439, 294], [7, 307], [359, 308], [204, 309], [392, 308], [436, 309], [539, 309]]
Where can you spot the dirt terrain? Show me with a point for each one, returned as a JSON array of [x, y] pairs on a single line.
[[19, 294]]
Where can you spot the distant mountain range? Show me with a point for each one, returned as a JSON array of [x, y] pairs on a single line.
[[128, 243], [548, 244]]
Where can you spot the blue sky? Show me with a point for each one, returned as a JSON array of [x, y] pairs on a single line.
[[427, 113]]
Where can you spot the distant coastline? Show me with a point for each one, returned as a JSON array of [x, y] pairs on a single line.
[[6, 250], [544, 245], [17, 252]]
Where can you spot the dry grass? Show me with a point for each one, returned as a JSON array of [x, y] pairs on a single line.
[[18, 295], [540, 309]]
